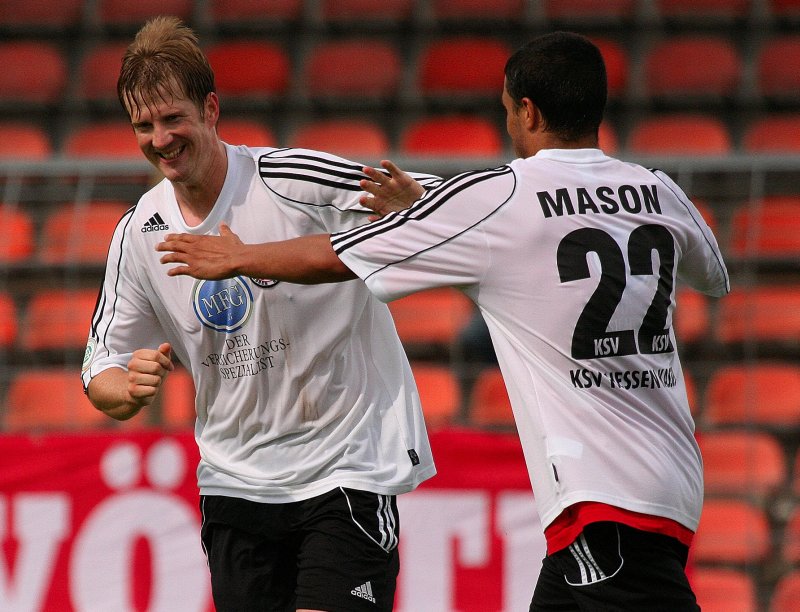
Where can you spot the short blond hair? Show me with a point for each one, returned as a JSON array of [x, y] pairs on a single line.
[[164, 61]]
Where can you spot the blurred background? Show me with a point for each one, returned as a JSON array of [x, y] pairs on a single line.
[[707, 90]]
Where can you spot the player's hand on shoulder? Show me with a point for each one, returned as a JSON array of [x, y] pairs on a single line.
[[390, 190], [205, 257]]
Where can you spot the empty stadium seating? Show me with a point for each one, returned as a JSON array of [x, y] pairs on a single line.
[[34, 73], [430, 318], [489, 405], [110, 139], [769, 227], [439, 393], [250, 132], [350, 138], [724, 590], [8, 321], [680, 134], [787, 590], [773, 133], [58, 320], [17, 240], [252, 70], [451, 135], [732, 531], [761, 314], [80, 233], [24, 141]]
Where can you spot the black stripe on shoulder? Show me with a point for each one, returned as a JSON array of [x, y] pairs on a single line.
[[429, 203]]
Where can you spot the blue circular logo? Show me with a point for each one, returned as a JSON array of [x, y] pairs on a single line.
[[223, 305]]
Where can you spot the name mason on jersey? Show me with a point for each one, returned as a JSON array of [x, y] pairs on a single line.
[[602, 200]]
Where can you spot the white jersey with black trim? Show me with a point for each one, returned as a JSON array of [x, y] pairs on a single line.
[[573, 258], [300, 388]]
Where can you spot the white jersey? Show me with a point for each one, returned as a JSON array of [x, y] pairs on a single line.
[[573, 258], [300, 388]]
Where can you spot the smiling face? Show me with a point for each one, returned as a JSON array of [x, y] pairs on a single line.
[[177, 137]]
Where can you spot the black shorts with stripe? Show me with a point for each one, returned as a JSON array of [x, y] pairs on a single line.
[[336, 552]]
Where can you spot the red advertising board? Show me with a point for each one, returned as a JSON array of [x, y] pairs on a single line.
[[108, 522]]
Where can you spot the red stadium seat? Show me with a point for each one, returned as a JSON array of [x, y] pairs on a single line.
[[252, 69], [99, 71], [102, 139], [765, 394], [608, 139], [617, 63], [80, 233], [787, 590], [249, 12], [680, 134], [471, 66], [34, 72], [432, 317], [57, 320], [350, 138], [703, 10], [489, 405], [791, 538], [389, 12], [470, 10], [50, 399], [767, 228], [8, 321], [784, 8], [591, 11], [691, 316], [24, 141], [742, 462], [778, 67], [731, 531], [127, 14], [773, 134], [60, 15], [439, 393], [355, 69], [176, 400], [724, 590], [688, 67], [246, 132], [769, 313], [17, 239], [449, 135]]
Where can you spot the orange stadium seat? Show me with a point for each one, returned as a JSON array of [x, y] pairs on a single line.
[[773, 134], [703, 9], [470, 10], [691, 316], [435, 316], [724, 590], [17, 239], [177, 400], [62, 15], [463, 66], [769, 313], [350, 138], [124, 13], [389, 12], [688, 67], [354, 69], [742, 462], [102, 139], [57, 319], [34, 72], [50, 399], [489, 405], [767, 228], [251, 69], [791, 538], [24, 141], [767, 393], [731, 531], [8, 321], [680, 134], [439, 393], [787, 590], [250, 132], [80, 233], [608, 139], [249, 12], [98, 72], [449, 135], [617, 65], [589, 11], [778, 67]]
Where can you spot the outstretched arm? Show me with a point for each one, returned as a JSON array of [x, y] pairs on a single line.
[[389, 192], [305, 260]]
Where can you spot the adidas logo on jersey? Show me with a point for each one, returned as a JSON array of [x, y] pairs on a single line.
[[154, 224], [364, 592]]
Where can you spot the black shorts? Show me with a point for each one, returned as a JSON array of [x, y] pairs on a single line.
[[615, 568], [335, 552]]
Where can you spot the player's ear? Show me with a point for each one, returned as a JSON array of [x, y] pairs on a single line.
[[531, 116]]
